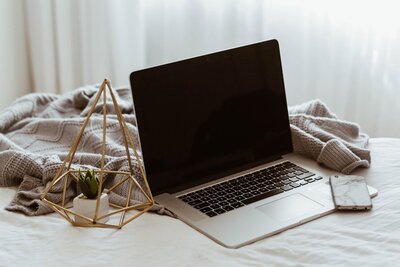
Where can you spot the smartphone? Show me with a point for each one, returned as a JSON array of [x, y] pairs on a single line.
[[350, 192]]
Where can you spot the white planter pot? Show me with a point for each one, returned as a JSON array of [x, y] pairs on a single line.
[[87, 207]]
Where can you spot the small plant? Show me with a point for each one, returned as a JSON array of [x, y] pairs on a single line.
[[88, 184]]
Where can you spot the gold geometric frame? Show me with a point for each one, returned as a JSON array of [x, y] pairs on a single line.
[[65, 173]]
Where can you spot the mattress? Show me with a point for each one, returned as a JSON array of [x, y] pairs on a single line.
[[339, 239]]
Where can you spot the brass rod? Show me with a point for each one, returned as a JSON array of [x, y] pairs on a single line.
[[72, 212], [115, 206], [117, 184], [135, 216], [141, 167], [141, 189], [123, 129], [128, 201], [106, 171], [103, 150], [134, 207]]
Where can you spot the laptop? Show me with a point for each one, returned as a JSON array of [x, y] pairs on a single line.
[[217, 149]]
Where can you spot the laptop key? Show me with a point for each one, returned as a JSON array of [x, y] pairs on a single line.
[[194, 196], [227, 208], [212, 201], [283, 177], [259, 186], [185, 198], [201, 205], [318, 178], [275, 180], [253, 188], [295, 185], [237, 205], [247, 195], [205, 198], [223, 203], [211, 213], [262, 196], [237, 188], [237, 193], [260, 180], [256, 192], [221, 198], [287, 187], [300, 169], [201, 194], [239, 198], [211, 191], [217, 187], [219, 211], [205, 210], [302, 182], [215, 206], [194, 202], [213, 196], [305, 175], [228, 196], [264, 189], [245, 184]]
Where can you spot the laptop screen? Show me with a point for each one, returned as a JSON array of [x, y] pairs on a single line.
[[207, 117]]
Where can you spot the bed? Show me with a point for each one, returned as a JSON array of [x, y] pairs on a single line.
[[339, 239]]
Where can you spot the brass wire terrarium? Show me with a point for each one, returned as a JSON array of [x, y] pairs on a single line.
[[122, 214]]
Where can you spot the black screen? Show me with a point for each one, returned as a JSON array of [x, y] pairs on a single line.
[[211, 116]]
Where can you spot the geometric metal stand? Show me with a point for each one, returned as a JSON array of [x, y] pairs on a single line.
[[66, 174]]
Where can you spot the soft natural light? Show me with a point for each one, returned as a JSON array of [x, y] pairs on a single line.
[[343, 52]]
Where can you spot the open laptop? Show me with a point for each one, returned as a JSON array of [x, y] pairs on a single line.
[[217, 149]]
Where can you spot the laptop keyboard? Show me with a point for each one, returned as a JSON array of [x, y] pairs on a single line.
[[244, 190]]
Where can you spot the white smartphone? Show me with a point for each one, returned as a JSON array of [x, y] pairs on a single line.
[[350, 192]]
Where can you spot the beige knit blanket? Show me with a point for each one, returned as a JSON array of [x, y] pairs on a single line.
[[37, 131], [318, 134]]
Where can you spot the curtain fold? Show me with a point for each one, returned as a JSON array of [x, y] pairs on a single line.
[[345, 53]]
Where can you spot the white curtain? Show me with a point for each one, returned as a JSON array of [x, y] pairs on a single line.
[[347, 53]]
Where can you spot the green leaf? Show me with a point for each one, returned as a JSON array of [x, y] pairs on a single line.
[[88, 184]]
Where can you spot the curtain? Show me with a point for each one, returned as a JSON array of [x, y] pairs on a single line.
[[347, 53]]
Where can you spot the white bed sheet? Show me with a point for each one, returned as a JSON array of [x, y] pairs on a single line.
[[339, 239]]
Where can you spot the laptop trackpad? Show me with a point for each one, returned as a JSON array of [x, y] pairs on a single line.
[[289, 207]]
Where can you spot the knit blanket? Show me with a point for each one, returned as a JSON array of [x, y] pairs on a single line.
[[37, 131], [319, 134]]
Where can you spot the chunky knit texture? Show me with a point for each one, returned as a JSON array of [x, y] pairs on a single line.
[[317, 133], [37, 131]]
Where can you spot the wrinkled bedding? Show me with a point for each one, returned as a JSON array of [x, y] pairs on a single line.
[[339, 239]]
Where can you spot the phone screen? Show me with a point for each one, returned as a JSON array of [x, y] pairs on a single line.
[[350, 192]]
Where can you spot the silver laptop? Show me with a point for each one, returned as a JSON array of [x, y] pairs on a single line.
[[217, 148]]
